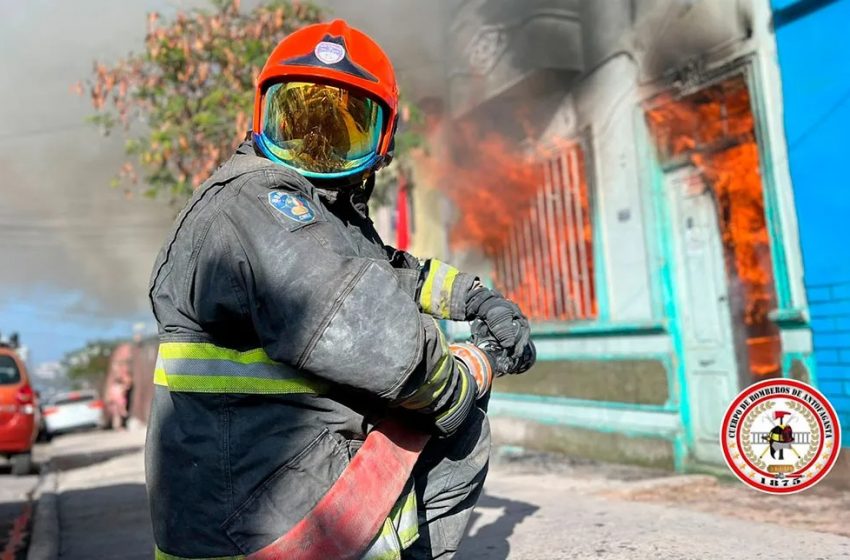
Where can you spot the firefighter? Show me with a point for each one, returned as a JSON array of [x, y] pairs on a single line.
[[781, 436], [289, 332]]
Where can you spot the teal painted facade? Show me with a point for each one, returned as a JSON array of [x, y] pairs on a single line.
[[645, 309], [813, 43]]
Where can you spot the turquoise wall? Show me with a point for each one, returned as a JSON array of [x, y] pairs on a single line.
[[813, 38]]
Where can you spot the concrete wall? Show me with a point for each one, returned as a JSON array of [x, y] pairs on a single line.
[[813, 43]]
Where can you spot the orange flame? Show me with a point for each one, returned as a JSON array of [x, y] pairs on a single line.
[[714, 130], [528, 214], [489, 180]]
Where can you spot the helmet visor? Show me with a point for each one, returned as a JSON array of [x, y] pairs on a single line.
[[319, 129]]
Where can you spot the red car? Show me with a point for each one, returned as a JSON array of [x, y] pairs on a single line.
[[18, 412]]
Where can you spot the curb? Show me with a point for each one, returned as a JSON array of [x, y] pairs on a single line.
[[44, 537]]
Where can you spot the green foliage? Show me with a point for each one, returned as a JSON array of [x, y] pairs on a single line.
[[87, 366], [191, 90]]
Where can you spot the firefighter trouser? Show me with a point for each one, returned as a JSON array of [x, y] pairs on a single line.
[[449, 477]]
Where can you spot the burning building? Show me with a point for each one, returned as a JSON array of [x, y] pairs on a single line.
[[619, 169]]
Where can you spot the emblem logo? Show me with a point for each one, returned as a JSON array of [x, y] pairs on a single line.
[[780, 436], [293, 206], [485, 49], [329, 53]]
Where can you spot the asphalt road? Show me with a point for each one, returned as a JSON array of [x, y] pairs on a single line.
[[66, 453], [14, 504], [533, 508]]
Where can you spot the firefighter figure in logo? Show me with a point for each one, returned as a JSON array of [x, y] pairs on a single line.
[[781, 436], [307, 404]]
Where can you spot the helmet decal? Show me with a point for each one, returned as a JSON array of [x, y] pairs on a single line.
[[331, 51]]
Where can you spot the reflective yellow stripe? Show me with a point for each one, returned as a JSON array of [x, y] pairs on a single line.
[[406, 520], [400, 529], [200, 367], [159, 377], [431, 389], [464, 389], [436, 295], [446, 293], [160, 555], [436, 383], [428, 286], [207, 351], [249, 385]]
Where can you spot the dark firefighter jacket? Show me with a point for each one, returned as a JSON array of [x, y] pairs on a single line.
[[287, 329]]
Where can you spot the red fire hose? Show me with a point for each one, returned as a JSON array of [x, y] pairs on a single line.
[[346, 520]]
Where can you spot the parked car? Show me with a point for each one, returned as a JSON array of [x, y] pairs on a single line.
[[19, 413], [72, 411], [43, 434]]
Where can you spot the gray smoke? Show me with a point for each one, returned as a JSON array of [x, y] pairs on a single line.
[[62, 228], [412, 32]]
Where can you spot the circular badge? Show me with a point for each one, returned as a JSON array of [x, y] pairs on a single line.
[[486, 48], [780, 436], [329, 53]]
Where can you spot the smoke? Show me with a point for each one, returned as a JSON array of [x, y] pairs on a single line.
[[412, 33], [63, 230], [674, 33]]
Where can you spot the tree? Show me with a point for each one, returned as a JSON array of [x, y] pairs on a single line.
[[191, 90], [88, 366]]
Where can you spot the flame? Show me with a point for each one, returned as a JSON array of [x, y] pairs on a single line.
[[490, 181], [525, 211], [714, 130]]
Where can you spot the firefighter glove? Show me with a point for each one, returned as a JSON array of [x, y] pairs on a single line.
[[502, 361], [502, 317]]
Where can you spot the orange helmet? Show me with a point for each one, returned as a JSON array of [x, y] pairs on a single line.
[[326, 103]]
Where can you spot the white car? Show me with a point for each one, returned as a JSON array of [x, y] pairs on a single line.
[[73, 410]]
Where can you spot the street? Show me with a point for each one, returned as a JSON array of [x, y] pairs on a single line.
[[15, 512], [102, 503], [535, 506]]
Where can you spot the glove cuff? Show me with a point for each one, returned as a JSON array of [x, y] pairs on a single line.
[[478, 364]]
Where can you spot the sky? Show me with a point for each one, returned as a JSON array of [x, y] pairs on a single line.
[[77, 254]]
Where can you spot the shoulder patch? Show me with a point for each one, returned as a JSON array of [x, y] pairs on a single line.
[[293, 206]]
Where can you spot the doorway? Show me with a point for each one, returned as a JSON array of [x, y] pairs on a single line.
[[705, 320], [723, 271]]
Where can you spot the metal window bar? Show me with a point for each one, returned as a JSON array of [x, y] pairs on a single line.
[[546, 263]]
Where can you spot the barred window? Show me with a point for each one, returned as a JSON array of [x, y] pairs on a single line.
[[546, 264]]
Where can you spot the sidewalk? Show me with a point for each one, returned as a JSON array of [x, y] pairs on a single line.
[[536, 516], [534, 508], [102, 504]]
